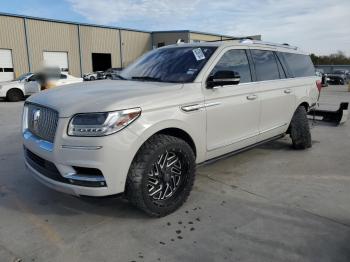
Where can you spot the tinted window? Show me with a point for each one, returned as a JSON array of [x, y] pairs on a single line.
[[175, 64], [265, 65], [62, 76], [8, 69], [235, 60], [299, 65]]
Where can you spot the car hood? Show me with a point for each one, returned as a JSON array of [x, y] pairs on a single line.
[[105, 95]]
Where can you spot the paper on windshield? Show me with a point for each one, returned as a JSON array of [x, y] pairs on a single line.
[[198, 54]]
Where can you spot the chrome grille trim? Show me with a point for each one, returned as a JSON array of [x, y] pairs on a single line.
[[46, 125]]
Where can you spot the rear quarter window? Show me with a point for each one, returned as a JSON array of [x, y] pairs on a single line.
[[299, 65]]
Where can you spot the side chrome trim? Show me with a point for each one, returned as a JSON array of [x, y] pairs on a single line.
[[82, 147], [191, 108], [48, 146], [196, 107], [212, 104]]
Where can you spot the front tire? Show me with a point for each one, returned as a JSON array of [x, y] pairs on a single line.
[[300, 129], [14, 95], [161, 175]]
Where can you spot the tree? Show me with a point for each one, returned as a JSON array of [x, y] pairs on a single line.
[[338, 58]]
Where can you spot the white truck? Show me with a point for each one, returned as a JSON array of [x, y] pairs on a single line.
[[175, 107]]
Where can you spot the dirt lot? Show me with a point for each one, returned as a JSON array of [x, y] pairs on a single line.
[[267, 204]]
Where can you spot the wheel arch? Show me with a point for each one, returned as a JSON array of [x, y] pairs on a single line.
[[14, 88]]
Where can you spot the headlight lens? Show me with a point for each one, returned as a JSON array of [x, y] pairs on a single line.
[[102, 124]]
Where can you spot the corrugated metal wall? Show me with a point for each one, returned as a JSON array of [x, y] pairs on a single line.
[[12, 36], [169, 38], [134, 44], [51, 36], [99, 40]]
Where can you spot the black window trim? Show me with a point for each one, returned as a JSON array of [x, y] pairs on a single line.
[[279, 66]]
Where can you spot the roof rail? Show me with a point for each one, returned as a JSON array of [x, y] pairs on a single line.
[[231, 39], [274, 44]]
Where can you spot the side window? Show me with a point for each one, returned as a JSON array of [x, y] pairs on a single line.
[[62, 76], [266, 67], [300, 65], [234, 60]]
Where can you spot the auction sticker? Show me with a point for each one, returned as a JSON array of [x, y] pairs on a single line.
[[198, 53]]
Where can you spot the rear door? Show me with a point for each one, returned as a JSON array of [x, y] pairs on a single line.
[[276, 93]]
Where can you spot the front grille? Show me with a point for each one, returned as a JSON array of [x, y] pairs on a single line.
[[42, 122]]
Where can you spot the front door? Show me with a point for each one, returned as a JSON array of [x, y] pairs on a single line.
[[232, 110]]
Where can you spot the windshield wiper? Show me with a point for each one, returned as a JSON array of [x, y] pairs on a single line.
[[146, 78]]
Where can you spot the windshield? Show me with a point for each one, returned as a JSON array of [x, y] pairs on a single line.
[[177, 64], [22, 77]]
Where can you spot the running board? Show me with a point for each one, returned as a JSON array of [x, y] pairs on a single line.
[[337, 117], [212, 160]]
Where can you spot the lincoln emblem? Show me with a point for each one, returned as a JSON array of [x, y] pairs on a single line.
[[36, 117]]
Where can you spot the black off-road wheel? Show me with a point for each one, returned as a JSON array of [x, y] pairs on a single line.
[[161, 175], [300, 130], [14, 95]]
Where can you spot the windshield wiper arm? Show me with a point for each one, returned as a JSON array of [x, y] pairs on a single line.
[[146, 78]]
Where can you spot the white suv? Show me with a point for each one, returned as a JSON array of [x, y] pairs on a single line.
[[175, 107]]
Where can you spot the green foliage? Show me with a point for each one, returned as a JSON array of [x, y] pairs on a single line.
[[334, 59]]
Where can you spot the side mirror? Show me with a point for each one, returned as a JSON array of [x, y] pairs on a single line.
[[223, 78]]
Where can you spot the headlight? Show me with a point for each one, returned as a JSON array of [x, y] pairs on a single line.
[[101, 124]]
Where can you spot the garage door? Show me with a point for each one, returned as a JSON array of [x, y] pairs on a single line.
[[56, 59], [6, 66]]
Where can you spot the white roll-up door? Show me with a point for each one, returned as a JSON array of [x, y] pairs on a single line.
[[56, 59], [6, 65]]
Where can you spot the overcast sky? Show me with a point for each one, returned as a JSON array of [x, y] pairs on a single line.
[[318, 26]]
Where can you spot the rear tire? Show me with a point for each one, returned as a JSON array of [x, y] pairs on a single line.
[[161, 175], [300, 129], [14, 95]]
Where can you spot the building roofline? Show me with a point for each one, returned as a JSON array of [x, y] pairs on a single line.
[[191, 31], [71, 23], [110, 27]]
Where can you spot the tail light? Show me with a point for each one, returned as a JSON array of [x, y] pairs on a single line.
[[319, 85]]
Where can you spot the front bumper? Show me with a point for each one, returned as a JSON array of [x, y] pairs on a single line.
[[89, 166]]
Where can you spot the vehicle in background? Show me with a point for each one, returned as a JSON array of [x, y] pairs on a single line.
[[175, 107], [31, 83], [94, 76], [43, 81], [338, 77], [14, 90], [112, 73]]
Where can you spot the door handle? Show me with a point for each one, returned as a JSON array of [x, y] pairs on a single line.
[[252, 97], [287, 91]]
